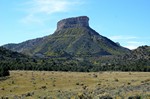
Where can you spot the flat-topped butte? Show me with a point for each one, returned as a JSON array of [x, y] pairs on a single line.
[[81, 21]]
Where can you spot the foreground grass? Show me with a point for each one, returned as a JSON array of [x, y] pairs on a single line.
[[75, 85]]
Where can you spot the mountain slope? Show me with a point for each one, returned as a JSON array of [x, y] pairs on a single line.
[[6, 58], [9, 54], [142, 52], [73, 37]]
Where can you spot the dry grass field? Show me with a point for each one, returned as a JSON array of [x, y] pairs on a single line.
[[75, 85]]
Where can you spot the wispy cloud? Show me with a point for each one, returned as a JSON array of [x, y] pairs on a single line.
[[51, 6], [31, 19], [121, 37], [37, 8], [130, 42], [133, 44]]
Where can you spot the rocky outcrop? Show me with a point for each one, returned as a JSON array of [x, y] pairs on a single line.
[[81, 21]]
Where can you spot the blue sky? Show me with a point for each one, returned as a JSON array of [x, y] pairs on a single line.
[[123, 21]]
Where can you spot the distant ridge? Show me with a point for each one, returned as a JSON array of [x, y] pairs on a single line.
[[73, 37]]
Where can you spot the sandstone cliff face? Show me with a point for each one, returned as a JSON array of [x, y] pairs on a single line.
[[81, 21]]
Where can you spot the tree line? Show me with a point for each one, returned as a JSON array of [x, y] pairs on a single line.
[[15, 61]]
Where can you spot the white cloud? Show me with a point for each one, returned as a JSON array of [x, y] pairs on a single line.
[[131, 47], [134, 42], [121, 37], [52, 6], [31, 19], [37, 8], [131, 42]]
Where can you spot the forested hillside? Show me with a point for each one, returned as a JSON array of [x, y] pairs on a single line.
[[137, 60]]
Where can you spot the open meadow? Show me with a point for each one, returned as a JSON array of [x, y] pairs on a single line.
[[75, 85]]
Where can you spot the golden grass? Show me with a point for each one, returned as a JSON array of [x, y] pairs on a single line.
[[72, 84]]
